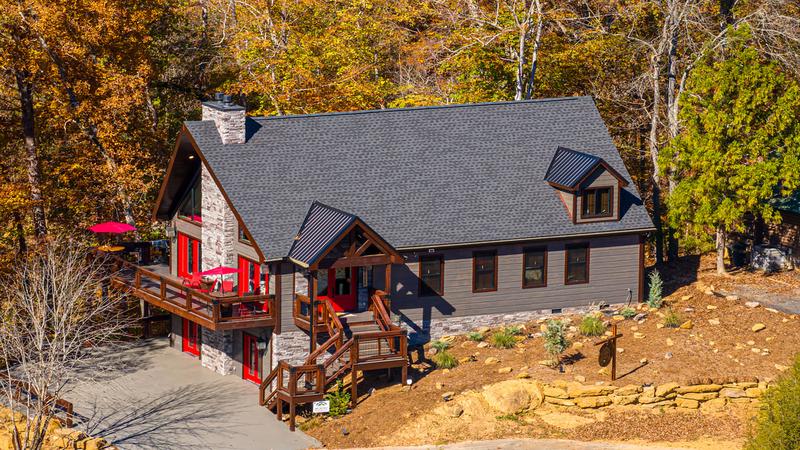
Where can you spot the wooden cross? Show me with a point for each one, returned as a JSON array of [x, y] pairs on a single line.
[[611, 342]]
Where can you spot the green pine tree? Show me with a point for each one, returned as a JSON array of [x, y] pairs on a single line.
[[740, 145]]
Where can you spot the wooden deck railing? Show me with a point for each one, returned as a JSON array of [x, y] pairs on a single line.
[[209, 310], [297, 384]]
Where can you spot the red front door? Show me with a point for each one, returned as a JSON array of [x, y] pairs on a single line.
[[250, 360], [191, 338], [189, 255], [342, 288]]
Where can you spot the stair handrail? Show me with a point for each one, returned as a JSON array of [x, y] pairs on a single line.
[[335, 339], [380, 313], [342, 350], [331, 319], [263, 397]]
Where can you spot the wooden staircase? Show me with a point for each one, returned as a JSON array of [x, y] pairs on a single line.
[[358, 342]]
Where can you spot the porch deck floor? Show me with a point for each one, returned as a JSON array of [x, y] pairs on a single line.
[[160, 398]]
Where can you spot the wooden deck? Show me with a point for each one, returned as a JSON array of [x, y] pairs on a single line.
[[156, 286]]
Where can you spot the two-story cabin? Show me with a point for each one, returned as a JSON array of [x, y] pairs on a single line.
[[427, 220]]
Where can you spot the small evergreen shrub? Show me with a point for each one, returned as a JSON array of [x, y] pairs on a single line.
[[778, 423], [445, 360], [555, 339], [475, 336], [672, 319], [591, 325], [628, 312], [503, 339], [654, 297], [339, 399]]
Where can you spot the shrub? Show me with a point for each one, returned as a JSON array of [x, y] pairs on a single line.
[[591, 325], [503, 339], [672, 319], [514, 330], [654, 297], [628, 312], [778, 423], [555, 338], [475, 336], [445, 360], [440, 346], [339, 399]]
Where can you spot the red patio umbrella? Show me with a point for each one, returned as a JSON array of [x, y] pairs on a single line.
[[220, 270], [112, 228]]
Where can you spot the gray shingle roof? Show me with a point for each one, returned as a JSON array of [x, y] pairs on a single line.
[[420, 177], [322, 226], [568, 167]]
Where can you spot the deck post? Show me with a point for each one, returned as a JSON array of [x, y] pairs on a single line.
[[353, 387], [388, 280], [313, 310], [292, 414]]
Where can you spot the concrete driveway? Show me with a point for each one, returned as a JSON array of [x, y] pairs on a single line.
[[159, 398]]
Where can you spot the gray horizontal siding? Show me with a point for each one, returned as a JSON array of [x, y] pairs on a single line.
[[613, 269]]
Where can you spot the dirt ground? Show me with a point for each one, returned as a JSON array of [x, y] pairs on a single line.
[[720, 345]]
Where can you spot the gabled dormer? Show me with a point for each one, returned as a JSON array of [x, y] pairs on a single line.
[[587, 185]]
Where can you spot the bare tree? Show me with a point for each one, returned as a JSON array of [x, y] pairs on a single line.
[[58, 320]]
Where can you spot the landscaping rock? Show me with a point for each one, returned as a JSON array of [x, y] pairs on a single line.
[[439, 386], [687, 325], [686, 403], [513, 396], [523, 375], [698, 388], [638, 335], [565, 421], [711, 307], [504, 370], [555, 392], [716, 404], [670, 342], [447, 396], [732, 298], [623, 400], [576, 390], [629, 389], [559, 401], [713, 321], [732, 393], [491, 360], [592, 402], [577, 345], [473, 404], [666, 388], [754, 392], [449, 410], [758, 327], [668, 355], [752, 304], [700, 396]]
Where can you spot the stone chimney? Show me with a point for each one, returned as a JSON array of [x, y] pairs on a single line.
[[228, 116]]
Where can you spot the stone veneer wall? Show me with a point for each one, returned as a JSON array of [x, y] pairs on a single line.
[[219, 238], [230, 121], [217, 351], [292, 346], [459, 325]]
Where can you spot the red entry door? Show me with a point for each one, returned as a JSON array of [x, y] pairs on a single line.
[[342, 288], [189, 255], [250, 360], [252, 281], [191, 338]]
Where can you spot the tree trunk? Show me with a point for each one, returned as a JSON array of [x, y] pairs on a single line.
[[22, 245], [653, 145], [537, 38], [721, 251], [519, 91], [25, 89], [672, 121]]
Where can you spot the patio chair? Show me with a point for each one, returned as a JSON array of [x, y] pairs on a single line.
[[193, 281], [227, 286]]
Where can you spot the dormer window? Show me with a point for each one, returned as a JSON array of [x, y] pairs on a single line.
[[597, 202]]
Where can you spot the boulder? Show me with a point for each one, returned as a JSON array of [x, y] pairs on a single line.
[[513, 396], [754, 392], [504, 370], [593, 402], [472, 404], [565, 421], [698, 388], [491, 360], [758, 327]]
